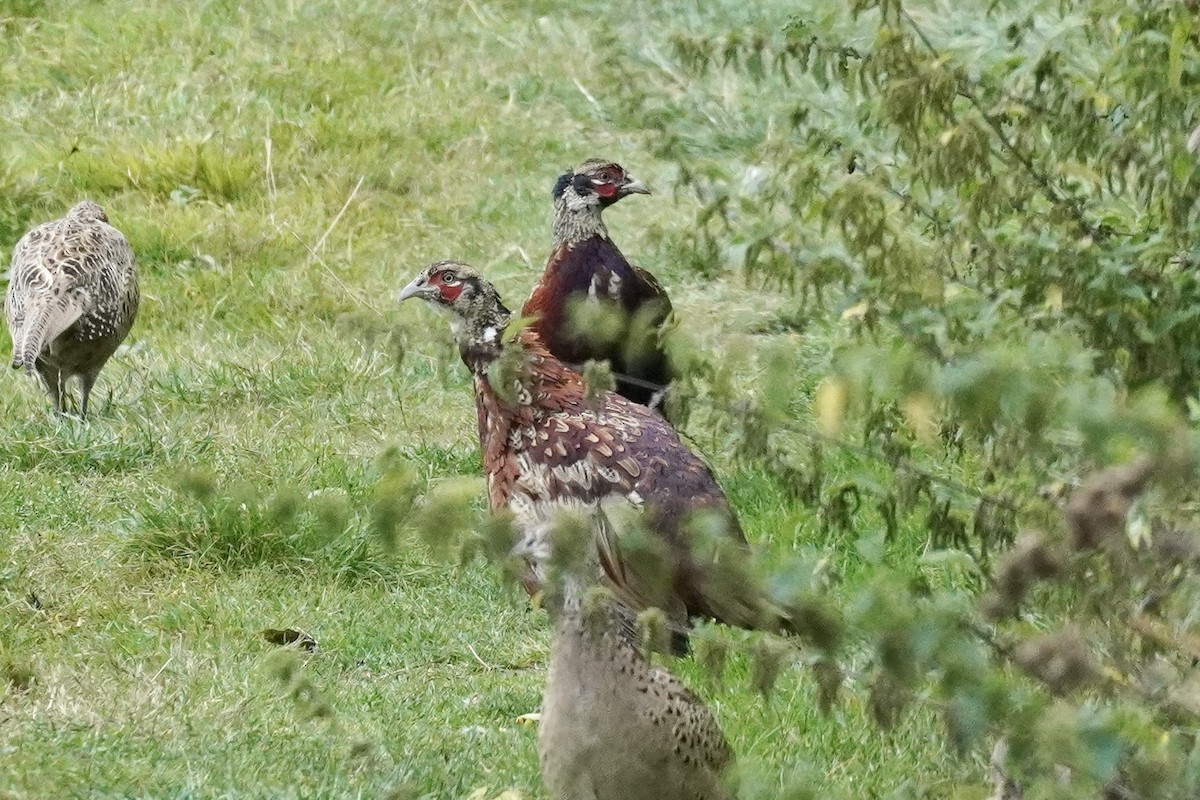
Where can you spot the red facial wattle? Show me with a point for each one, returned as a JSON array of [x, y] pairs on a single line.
[[606, 190], [448, 291]]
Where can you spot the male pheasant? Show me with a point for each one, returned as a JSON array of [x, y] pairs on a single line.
[[586, 267], [72, 298], [548, 448]]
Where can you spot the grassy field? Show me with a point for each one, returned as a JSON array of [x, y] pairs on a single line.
[[281, 169]]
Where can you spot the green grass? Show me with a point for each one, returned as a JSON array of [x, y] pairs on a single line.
[[224, 484]]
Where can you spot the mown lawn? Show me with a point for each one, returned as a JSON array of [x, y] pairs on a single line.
[[281, 169]]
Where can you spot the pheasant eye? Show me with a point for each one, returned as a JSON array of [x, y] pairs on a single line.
[[449, 278]]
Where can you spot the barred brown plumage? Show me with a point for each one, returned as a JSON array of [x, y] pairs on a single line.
[[616, 726], [586, 267], [71, 300], [547, 449]]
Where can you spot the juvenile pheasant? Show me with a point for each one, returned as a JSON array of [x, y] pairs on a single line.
[[72, 298], [586, 267], [615, 726], [547, 448]]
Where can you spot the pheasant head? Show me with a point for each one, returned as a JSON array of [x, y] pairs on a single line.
[[87, 211], [477, 315], [581, 194]]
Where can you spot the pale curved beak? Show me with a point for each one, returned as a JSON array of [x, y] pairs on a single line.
[[416, 288], [633, 186]]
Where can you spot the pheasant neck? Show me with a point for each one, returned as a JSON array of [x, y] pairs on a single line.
[[480, 339], [576, 220], [597, 620]]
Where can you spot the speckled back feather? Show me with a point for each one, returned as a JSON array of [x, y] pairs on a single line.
[[615, 726], [554, 450]]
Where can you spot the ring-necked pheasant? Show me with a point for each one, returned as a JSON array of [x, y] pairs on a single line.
[[615, 726], [547, 447], [586, 267], [72, 299]]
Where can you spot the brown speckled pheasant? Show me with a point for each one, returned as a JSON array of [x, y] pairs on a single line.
[[547, 448], [586, 267], [615, 726], [72, 298]]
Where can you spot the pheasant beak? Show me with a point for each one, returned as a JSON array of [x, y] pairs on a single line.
[[416, 288], [633, 186]]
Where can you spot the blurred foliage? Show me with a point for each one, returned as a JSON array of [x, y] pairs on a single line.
[[239, 525], [1025, 168], [999, 208], [1080, 656], [996, 211]]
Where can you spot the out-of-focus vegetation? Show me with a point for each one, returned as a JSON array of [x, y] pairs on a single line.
[[990, 217]]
